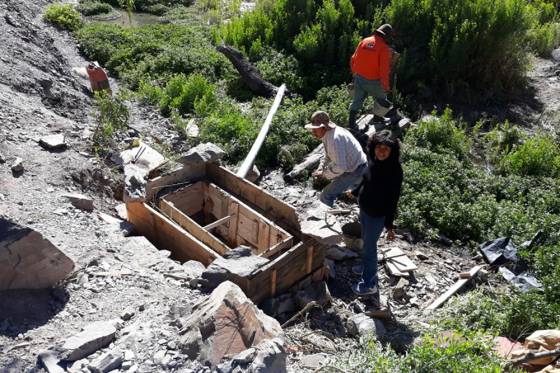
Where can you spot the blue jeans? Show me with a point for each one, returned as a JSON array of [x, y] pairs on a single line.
[[372, 226], [342, 183]]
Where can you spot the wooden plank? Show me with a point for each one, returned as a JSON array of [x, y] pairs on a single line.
[[392, 252], [273, 283], [264, 236], [183, 174], [278, 211], [218, 222], [279, 247], [168, 235], [192, 227], [248, 228], [233, 210], [393, 270], [187, 199], [309, 260], [403, 263], [454, 288]]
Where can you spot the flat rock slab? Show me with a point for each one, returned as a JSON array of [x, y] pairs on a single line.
[[362, 325], [53, 142], [80, 201], [94, 337], [28, 260], [107, 362], [135, 179], [318, 223], [143, 156]]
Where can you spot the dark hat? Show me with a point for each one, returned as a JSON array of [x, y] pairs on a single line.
[[323, 119], [385, 30]]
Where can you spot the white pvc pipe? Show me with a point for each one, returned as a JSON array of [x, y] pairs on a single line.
[[250, 159]]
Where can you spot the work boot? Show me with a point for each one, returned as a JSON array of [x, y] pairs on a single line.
[[352, 116]]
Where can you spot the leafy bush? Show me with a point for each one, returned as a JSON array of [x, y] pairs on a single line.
[[187, 93], [149, 6], [441, 134], [461, 47], [92, 8], [539, 156], [149, 93], [110, 118], [334, 100], [153, 52], [277, 68], [456, 353], [63, 16], [502, 139]]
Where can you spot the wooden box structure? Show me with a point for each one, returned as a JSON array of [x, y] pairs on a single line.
[[201, 211]]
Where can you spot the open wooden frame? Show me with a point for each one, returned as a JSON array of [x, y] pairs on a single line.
[[200, 212]]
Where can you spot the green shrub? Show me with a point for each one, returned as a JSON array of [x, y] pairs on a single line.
[[502, 139], [544, 38], [92, 8], [459, 47], [277, 68], [443, 134], [149, 93], [153, 52], [539, 156], [63, 16], [230, 129], [110, 118], [187, 93], [334, 100]]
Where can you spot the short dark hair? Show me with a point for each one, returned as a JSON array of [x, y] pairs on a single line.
[[385, 137]]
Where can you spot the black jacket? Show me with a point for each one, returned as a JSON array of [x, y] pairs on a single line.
[[380, 190]]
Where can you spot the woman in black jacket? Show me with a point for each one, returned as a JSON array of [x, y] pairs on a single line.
[[378, 197]]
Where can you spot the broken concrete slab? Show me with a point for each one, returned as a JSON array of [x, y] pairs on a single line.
[[317, 222], [80, 201], [107, 362], [229, 323], [239, 262], [93, 337], [28, 260], [361, 325], [53, 142], [142, 156], [135, 179], [203, 153]]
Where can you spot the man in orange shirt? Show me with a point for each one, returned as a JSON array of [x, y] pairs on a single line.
[[371, 65]]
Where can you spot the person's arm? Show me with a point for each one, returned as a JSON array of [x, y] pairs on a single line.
[[354, 56], [385, 67]]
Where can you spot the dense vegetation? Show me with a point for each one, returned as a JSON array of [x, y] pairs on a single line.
[[469, 183]]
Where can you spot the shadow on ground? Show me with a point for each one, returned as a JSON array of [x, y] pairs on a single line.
[[22, 310]]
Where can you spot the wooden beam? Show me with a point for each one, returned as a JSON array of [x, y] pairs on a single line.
[[166, 234], [273, 283], [218, 222], [192, 227], [279, 247], [453, 289]]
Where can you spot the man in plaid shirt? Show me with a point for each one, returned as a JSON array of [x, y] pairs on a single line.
[[345, 162]]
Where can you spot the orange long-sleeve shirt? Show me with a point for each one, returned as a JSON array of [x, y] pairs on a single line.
[[372, 60]]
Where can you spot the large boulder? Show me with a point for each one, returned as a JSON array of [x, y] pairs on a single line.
[[203, 153], [230, 323], [28, 260]]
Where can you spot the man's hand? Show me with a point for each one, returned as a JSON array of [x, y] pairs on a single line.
[[318, 174], [390, 234]]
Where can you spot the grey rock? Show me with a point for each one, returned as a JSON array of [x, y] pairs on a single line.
[[253, 174], [399, 291], [556, 55], [271, 357], [17, 166], [49, 360], [193, 268], [316, 291], [128, 313], [129, 355], [53, 142], [94, 337], [362, 325], [142, 156], [134, 183], [190, 343], [313, 361], [106, 362], [203, 153], [80, 201], [121, 226], [420, 255], [2, 158], [159, 357]]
